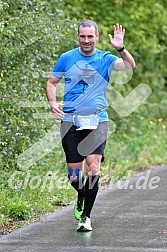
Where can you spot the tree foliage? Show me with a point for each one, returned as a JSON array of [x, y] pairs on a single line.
[[35, 33], [32, 35]]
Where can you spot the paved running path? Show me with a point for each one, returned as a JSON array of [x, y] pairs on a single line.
[[131, 219]]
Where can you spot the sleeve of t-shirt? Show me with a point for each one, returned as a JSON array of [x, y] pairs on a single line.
[[58, 70], [111, 60]]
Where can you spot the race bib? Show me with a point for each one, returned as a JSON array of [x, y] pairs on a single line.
[[86, 122]]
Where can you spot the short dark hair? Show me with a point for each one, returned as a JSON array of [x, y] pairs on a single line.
[[88, 23]]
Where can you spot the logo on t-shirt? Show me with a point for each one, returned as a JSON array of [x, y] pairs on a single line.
[[88, 74]]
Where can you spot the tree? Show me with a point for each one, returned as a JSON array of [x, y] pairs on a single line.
[[32, 37]]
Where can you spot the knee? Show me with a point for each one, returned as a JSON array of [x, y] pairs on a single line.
[[93, 169]]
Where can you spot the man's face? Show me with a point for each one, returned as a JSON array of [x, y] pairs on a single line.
[[87, 38]]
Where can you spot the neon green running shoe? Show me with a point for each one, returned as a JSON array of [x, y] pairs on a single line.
[[78, 208], [84, 224]]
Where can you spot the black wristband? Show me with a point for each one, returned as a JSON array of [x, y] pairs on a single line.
[[121, 49]]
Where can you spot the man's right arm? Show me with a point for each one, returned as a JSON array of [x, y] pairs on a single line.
[[51, 96]]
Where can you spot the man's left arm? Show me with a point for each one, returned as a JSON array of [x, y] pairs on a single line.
[[126, 60]]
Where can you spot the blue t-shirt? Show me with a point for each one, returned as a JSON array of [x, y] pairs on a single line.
[[86, 79]]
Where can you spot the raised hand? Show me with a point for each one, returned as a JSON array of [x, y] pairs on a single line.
[[117, 40]]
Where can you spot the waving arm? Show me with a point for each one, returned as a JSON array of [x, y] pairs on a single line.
[[126, 62]]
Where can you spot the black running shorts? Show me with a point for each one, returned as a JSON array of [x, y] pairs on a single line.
[[79, 144]]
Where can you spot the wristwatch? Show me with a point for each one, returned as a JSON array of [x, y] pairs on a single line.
[[121, 49]]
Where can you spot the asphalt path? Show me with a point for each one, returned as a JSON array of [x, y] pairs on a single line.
[[128, 216]]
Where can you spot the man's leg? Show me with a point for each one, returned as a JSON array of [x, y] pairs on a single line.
[[92, 183], [76, 177], [70, 140], [91, 188], [97, 141]]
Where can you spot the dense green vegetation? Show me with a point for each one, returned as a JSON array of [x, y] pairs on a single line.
[[33, 35]]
